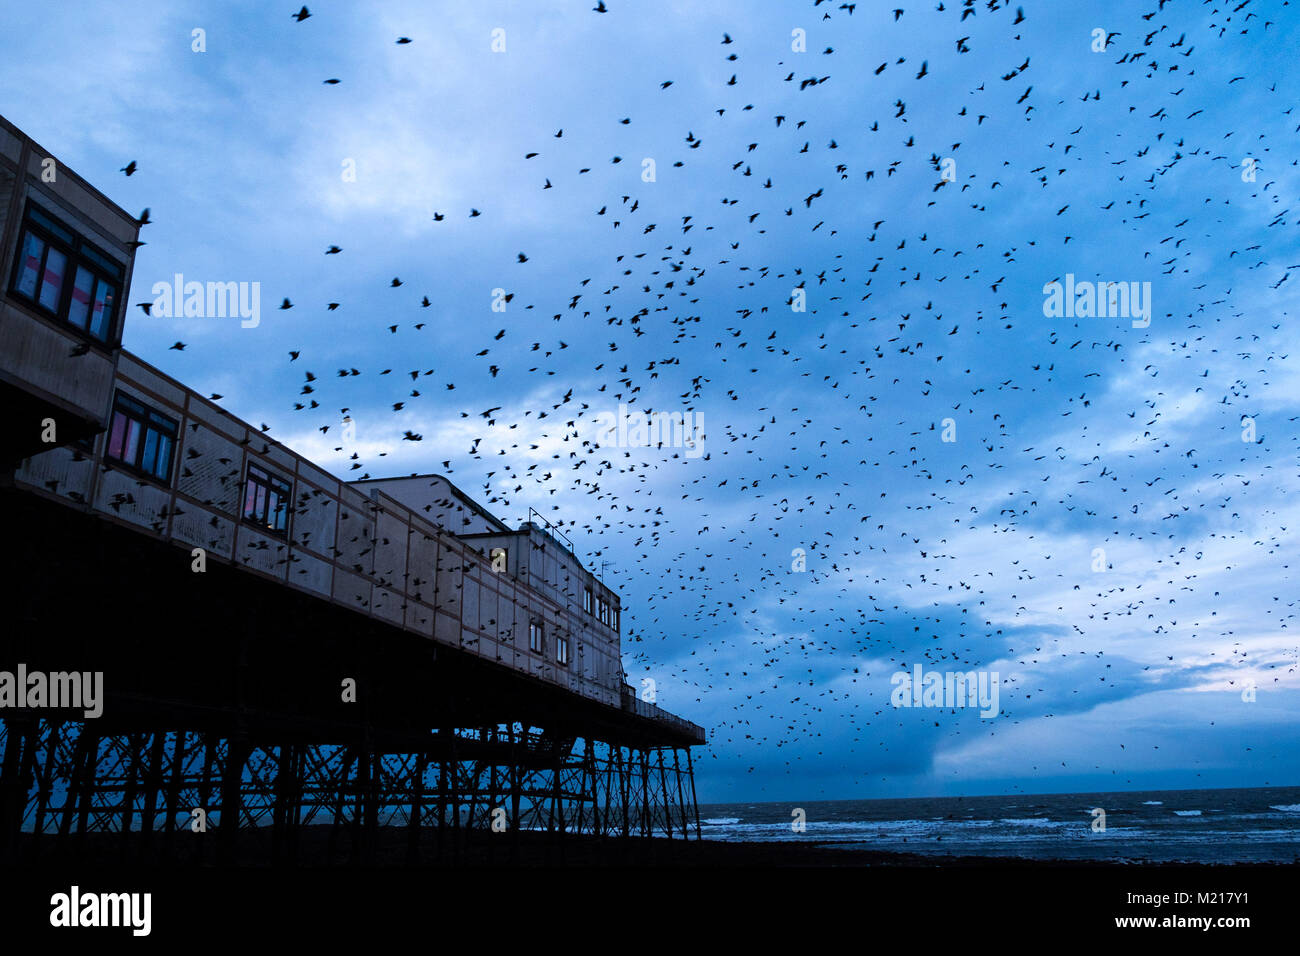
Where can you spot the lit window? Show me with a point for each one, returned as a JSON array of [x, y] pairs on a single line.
[[562, 650], [52, 279], [266, 500], [29, 266], [82, 292], [535, 637], [66, 277], [141, 438]]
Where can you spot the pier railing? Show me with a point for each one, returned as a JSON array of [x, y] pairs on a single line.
[[643, 708]]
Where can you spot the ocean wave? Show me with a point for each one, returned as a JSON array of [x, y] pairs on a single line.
[[1188, 813], [733, 829], [1153, 803], [722, 821], [1288, 808], [1032, 822]]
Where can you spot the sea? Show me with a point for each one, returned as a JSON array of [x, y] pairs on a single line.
[[1255, 825]]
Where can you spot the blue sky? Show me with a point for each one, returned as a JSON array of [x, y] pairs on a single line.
[[823, 429]]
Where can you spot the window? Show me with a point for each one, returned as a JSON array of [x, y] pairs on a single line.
[[615, 623], [66, 277], [602, 611], [266, 500], [586, 600], [561, 650], [141, 438], [535, 636]]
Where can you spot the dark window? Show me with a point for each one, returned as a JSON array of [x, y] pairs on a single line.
[[66, 277], [586, 600], [535, 636], [141, 438], [561, 650], [266, 500]]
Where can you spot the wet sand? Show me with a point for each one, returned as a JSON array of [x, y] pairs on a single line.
[[391, 847]]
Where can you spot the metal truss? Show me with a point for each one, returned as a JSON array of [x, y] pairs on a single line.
[[63, 780]]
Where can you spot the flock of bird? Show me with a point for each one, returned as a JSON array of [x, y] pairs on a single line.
[[865, 283]]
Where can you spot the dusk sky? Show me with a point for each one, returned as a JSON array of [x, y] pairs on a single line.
[[823, 431]]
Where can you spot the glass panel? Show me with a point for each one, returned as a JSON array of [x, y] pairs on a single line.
[[110, 266], [259, 504], [38, 216], [101, 317], [250, 495], [52, 284], [150, 450], [132, 441], [33, 249], [82, 290], [163, 469], [129, 403], [117, 435]]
